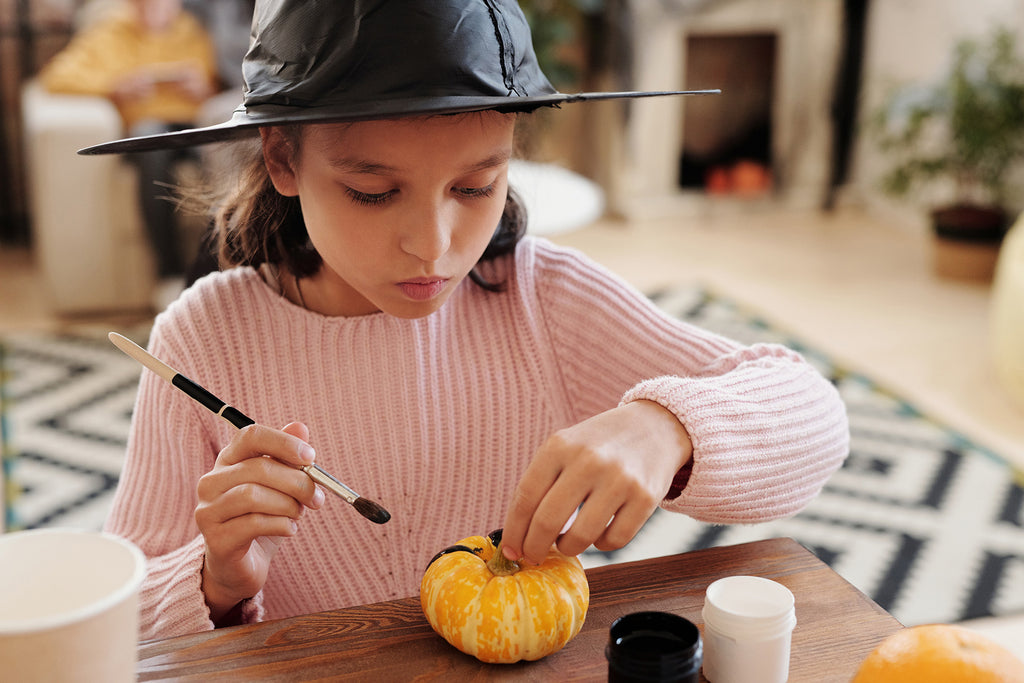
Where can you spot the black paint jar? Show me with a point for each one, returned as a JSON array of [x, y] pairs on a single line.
[[653, 646]]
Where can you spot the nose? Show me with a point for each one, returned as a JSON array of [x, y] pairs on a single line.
[[428, 234]]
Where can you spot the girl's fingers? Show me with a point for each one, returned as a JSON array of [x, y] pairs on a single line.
[[618, 464], [608, 518], [233, 539], [248, 503], [603, 530], [256, 440], [547, 498], [548, 521], [262, 472], [624, 526], [250, 498], [268, 457], [590, 522], [610, 505], [297, 429], [527, 497]]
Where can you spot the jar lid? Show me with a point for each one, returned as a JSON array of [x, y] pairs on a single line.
[[749, 607], [655, 645]]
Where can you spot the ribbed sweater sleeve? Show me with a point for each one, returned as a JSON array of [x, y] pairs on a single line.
[[767, 429]]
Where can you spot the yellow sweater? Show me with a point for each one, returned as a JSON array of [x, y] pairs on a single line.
[[104, 53]]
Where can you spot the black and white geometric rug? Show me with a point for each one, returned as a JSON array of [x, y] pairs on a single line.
[[921, 519], [69, 405]]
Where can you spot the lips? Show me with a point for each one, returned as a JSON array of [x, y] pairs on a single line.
[[423, 288]]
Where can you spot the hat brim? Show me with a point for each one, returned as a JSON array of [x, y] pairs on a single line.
[[244, 123]]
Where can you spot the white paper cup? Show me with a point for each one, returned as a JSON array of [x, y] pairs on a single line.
[[69, 606]]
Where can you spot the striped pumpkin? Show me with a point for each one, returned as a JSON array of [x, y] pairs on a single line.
[[497, 611]]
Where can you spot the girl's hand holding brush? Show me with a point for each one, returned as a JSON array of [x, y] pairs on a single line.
[[249, 503], [255, 494]]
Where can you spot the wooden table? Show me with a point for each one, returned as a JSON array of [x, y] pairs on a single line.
[[837, 626]]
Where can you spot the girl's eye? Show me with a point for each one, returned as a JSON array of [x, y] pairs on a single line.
[[475, 192], [369, 198], [380, 198]]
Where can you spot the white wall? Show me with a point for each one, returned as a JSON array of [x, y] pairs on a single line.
[[911, 41]]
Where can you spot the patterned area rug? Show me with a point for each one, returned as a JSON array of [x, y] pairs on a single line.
[[921, 519], [69, 403]]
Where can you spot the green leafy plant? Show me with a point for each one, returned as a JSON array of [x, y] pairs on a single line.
[[968, 128], [556, 26]]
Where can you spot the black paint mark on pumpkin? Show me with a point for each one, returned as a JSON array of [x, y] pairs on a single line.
[[453, 549]]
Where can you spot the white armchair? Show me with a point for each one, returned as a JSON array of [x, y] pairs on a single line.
[[86, 224]]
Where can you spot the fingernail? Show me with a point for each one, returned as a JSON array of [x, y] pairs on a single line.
[[510, 554], [307, 454], [318, 497]]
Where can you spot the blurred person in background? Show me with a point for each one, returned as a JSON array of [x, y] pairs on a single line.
[[158, 64]]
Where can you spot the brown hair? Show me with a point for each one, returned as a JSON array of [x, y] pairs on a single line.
[[254, 224]]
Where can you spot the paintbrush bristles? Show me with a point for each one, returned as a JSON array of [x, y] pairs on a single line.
[[374, 512]]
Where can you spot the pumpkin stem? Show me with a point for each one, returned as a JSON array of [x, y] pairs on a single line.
[[501, 565]]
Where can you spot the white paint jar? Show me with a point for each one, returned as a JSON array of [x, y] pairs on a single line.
[[748, 627]]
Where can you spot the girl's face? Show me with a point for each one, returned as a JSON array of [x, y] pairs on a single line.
[[399, 210]]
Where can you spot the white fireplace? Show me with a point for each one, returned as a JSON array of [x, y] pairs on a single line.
[[776, 63]]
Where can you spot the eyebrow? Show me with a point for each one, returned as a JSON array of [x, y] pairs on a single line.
[[361, 166], [373, 168]]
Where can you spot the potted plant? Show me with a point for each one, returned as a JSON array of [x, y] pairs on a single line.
[[562, 42], [966, 130]]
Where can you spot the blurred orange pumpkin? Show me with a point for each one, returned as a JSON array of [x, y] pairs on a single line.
[[939, 653], [498, 611]]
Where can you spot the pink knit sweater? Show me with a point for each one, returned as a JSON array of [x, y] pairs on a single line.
[[437, 418]]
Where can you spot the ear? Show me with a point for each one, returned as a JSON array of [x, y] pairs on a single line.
[[278, 157]]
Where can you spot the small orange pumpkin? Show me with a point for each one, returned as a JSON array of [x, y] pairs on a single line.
[[498, 611]]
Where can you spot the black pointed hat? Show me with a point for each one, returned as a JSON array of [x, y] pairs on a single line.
[[352, 60]]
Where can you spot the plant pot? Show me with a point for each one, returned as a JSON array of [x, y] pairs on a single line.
[[966, 241]]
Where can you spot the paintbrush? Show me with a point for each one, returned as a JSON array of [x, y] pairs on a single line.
[[367, 508]]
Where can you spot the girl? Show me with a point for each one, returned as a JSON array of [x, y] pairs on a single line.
[[378, 301]]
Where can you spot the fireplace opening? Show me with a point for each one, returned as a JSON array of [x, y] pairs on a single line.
[[727, 139]]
